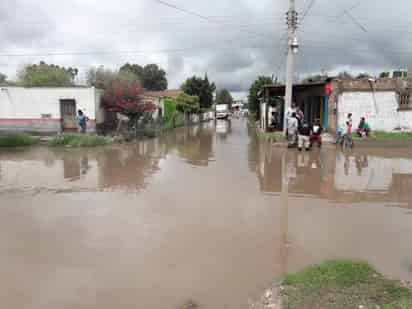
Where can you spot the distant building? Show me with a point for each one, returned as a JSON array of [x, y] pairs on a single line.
[[385, 103], [48, 110], [158, 98]]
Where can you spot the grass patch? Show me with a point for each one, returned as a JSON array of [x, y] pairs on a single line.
[[386, 135], [343, 284], [79, 140], [17, 140], [397, 135]]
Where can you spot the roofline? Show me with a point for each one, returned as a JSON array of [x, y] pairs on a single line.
[[273, 86], [51, 87]]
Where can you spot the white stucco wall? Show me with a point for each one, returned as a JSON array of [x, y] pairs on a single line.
[[379, 108], [23, 107]]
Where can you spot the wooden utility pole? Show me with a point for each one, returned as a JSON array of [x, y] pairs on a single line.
[[292, 21]]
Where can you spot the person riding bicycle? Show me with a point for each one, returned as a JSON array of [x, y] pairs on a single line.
[[347, 137]]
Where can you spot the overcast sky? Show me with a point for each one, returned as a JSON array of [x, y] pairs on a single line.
[[240, 40]]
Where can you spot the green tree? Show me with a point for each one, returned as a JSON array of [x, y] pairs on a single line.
[[43, 75], [3, 78], [363, 76], [133, 68], [254, 90], [384, 75], [345, 75], [224, 97], [187, 104], [202, 88], [152, 76], [315, 78], [102, 78]]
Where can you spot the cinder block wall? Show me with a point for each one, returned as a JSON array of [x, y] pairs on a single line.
[[377, 101]]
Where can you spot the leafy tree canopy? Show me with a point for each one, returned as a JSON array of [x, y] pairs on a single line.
[[187, 103], [224, 97], [151, 76], [345, 75], [102, 78], [363, 75], [201, 87], [3, 78], [315, 78], [256, 87], [43, 74]]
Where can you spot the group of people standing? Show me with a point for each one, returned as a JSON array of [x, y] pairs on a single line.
[[300, 133], [303, 134]]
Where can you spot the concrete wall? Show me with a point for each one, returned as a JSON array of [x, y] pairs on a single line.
[[38, 109], [379, 107]]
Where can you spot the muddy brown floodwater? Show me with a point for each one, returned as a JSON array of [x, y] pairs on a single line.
[[206, 214]]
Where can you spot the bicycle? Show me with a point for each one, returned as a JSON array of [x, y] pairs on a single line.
[[346, 142]]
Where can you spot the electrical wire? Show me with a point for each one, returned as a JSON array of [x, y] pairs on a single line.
[[206, 18]]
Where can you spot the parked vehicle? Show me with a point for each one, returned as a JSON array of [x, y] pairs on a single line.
[[222, 111]]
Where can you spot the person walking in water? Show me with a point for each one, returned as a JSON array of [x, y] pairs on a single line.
[[82, 119], [304, 137], [316, 135], [292, 130]]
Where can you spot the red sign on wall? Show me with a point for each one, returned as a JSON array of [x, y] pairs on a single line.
[[328, 88]]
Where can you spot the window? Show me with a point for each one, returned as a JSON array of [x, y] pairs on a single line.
[[46, 116], [404, 101]]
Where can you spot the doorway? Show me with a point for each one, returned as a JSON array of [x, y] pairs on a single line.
[[68, 115]]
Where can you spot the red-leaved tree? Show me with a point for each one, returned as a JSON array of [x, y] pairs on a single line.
[[126, 98]]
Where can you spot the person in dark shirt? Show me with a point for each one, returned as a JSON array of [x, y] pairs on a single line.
[[316, 135], [304, 137], [82, 119]]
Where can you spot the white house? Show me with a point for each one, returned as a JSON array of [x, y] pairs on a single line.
[[48, 110], [385, 103]]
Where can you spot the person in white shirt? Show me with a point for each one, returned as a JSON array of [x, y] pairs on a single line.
[[292, 129]]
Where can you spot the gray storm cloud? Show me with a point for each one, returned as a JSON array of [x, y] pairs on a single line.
[[239, 41]]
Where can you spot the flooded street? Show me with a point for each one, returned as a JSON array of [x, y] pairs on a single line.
[[207, 214]]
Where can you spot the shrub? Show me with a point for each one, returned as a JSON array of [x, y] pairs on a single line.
[[17, 140], [79, 140], [343, 284]]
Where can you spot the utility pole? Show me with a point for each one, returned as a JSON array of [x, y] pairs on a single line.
[[292, 22]]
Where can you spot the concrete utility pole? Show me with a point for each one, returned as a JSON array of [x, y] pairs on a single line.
[[292, 21]]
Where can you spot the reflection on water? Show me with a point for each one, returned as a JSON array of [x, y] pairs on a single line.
[[359, 176], [215, 216], [223, 128], [127, 167]]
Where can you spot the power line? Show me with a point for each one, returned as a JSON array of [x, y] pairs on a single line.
[[355, 21], [317, 44], [206, 18], [306, 12], [183, 10]]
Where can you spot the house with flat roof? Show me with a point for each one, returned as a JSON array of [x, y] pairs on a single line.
[[48, 109], [385, 103]]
